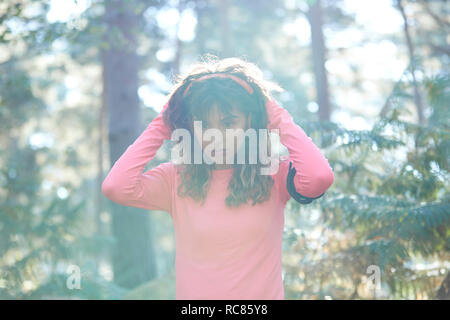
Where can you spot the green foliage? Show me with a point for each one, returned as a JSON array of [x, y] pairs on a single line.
[[162, 288], [389, 205], [395, 215]]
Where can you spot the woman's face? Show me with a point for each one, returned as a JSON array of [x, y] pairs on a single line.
[[235, 119]]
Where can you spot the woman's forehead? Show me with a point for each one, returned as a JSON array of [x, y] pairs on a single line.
[[217, 111]]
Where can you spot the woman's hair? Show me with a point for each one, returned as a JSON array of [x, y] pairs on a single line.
[[185, 107]]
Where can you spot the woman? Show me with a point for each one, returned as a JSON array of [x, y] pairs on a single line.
[[228, 217]]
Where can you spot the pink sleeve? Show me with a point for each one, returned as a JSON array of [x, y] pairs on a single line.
[[280, 177], [128, 185], [313, 174]]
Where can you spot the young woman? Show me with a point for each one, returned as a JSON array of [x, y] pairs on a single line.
[[228, 218]]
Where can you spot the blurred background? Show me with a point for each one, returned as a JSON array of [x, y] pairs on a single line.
[[367, 80]]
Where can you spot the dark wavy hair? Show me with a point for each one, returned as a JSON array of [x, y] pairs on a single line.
[[246, 183]]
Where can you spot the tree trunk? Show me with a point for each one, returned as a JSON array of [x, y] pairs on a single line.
[[444, 290], [225, 28], [133, 257], [417, 95], [201, 33], [314, 16], [100, 170], [178, 42]]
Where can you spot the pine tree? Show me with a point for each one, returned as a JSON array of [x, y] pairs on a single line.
[[389, 207]]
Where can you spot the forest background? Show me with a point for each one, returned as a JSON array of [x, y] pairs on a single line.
[[367, 80]]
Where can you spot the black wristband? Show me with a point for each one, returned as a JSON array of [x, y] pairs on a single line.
[[291, 188]]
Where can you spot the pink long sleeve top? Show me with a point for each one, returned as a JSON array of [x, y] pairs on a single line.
[[222, 253]]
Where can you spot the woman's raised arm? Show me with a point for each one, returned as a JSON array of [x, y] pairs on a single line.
[[128, 185], [313, 174]]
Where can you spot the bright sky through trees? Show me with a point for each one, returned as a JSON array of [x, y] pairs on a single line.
[[379, 60]]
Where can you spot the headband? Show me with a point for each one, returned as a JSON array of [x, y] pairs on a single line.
[[222, 75]]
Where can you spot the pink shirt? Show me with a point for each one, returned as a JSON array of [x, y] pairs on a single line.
[[221, 253]]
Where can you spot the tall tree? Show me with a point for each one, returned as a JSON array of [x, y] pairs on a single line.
[[413, 63], [314, 15], [133, 257], [225, 29]]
